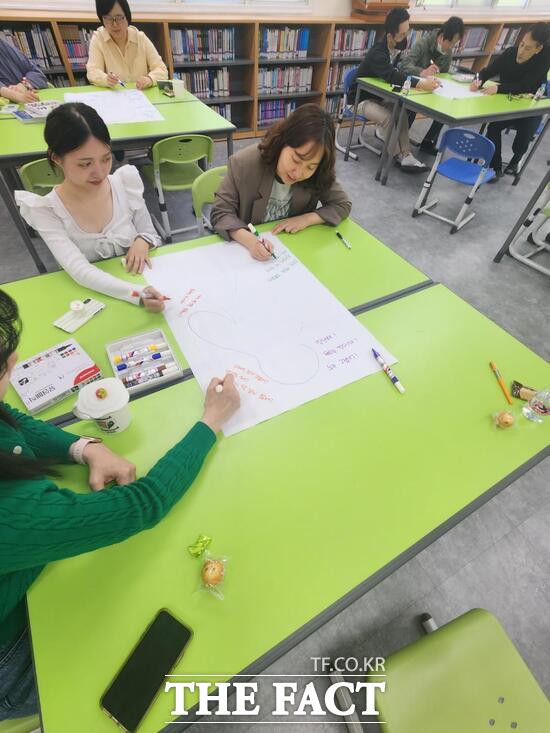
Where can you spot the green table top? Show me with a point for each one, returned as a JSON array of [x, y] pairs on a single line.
[[367, 272], [366, 473], [153, 94], [454, 111], [19, 141]]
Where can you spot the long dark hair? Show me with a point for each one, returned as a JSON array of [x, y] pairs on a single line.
[[70, 125], [14, 466], [308, 123]]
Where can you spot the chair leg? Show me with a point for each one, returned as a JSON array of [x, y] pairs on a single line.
[[421, 203], [164, 228], [461, 220]]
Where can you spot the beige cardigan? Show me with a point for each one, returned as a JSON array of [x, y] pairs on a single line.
[[140, 58], [243, 195]]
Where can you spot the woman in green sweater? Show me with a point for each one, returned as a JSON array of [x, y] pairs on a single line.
[[40, 522]]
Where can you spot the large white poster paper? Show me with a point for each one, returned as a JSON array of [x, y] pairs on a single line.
[[122, 106], [284, 336], [453, 90]]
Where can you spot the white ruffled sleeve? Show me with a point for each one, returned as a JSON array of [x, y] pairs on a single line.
[[39, 213], [132, 185]]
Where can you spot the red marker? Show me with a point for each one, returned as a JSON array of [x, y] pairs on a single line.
[[143, 295]]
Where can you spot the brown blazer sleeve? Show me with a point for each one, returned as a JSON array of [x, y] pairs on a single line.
[[225, 216], [335, 205]]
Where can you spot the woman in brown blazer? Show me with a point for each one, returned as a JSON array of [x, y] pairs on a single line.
[[284, 177]]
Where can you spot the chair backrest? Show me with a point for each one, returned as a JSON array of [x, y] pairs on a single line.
[[468, 144], [183, 149], [349, 78], [38, 176], [205, 186]]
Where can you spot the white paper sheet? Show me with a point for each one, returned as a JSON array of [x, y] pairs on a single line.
[[284, 336], [121, 106], [454, 90]]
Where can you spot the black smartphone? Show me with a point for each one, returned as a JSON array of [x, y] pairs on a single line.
[[131, 693]]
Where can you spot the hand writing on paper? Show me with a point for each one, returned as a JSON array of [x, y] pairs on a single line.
[[138, 256], [428, 85], [474, 86], [219, 406], [260, 249], [152, 300], [106, 467], [112, 79], [430, 71], [296, 223]]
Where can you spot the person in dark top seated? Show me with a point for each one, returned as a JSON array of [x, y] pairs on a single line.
[[522, 70], [432, 54], [19, 77], [382, 61]]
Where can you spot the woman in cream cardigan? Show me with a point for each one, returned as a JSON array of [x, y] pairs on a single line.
[[119, 52]]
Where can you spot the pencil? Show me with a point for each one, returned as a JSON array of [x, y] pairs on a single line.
[[500, 380]]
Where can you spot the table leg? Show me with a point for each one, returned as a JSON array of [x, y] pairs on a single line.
[[352, 128], [229, 144], [7, 196], [387, 141], [524, 214], [392, 142], [530, 154]]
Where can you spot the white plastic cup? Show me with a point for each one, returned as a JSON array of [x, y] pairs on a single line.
[[178, 85], [105, 402]]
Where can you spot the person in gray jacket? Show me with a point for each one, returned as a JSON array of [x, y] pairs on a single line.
[[432, 54]]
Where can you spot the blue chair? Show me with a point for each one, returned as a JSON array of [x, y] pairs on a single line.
[[469, 146], [346, 113]]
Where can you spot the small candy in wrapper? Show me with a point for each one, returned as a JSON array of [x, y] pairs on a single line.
[[522, 391], [212, 574], [503, 419]]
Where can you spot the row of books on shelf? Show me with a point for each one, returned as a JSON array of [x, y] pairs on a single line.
[[415, 35], [474, 39], [332, 105], [284, 43], [76, 41], [336, 75], [508, 37], [223, 109], [284, 79], [202, 44], [352, 41], [36, 43], [206, 83], [270, 111]]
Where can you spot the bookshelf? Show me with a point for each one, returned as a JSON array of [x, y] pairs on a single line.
[[236, 64]]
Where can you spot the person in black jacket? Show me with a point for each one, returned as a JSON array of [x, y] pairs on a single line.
[[522, 70], [381, 61]]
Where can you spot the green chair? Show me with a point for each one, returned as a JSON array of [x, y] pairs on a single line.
[[175, 167], [203, 191], [38, 176], [21, 725], [465, 677]]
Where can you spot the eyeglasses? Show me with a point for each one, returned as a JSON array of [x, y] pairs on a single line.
[[111, 19]]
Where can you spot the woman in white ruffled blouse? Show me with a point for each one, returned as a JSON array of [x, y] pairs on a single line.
[[92, 215]]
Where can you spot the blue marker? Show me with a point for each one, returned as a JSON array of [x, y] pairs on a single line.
[[395, 381]]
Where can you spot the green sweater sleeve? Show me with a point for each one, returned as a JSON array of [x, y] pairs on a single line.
[[41, 523], [45, 440]]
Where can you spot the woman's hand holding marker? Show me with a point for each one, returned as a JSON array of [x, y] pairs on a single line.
[[220, 405], [151, 299]]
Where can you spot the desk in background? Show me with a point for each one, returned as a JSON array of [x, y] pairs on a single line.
[[313, 507], [451, 112]]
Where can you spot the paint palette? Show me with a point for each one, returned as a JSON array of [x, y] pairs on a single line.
[[143, 361]]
